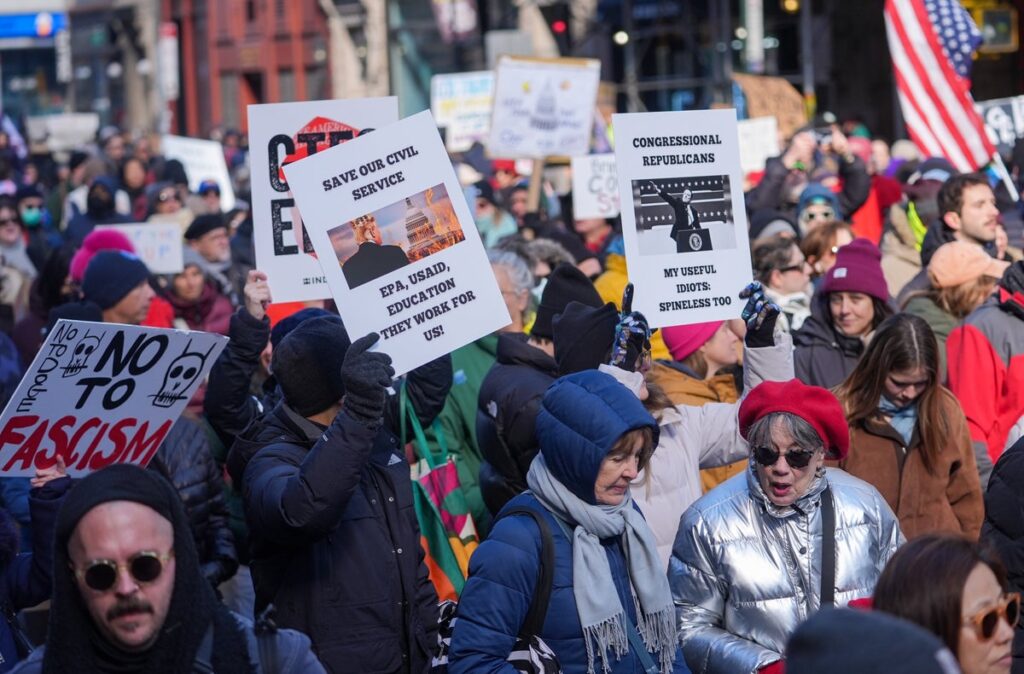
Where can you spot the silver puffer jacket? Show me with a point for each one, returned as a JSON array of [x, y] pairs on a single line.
[[745, 573]]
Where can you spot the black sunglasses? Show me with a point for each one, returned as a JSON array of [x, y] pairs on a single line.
[[145, 567], [166, 196], [766, 456]]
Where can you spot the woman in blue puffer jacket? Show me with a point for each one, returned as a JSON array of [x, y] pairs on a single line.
[[594, 437]]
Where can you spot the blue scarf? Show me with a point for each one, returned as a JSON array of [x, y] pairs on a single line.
[[903, 419]]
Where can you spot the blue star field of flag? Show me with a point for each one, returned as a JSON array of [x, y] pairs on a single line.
[[711, 199], [956, 31]]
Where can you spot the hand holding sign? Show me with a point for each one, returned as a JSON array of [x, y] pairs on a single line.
[[44, 475], [760, 313], [366, 375], [257, 294]]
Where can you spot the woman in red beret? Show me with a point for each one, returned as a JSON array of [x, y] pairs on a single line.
[[754, 558], [908, 435]]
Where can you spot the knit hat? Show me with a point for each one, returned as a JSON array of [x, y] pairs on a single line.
[[683, 340], [111, 275], [583, 336], [848, 641], [307, 364], [95, 241], [816, 193], [858, 269], [289, 323], [815, 405], [565, 284], [485, 191], [204, 224], [767, 223], [959, 262]]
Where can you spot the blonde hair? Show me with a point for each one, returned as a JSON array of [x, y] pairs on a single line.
[[959, 300]]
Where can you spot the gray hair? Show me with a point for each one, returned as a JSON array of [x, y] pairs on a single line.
[[518, 273], [803, 434]]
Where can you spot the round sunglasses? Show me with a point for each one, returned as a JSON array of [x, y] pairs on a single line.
[[986, 621], [766, 456], [144, 567]]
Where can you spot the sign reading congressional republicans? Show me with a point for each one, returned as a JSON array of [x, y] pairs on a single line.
[[683, 219]]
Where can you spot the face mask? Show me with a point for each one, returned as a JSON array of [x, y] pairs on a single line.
[[98, 204], [31, 217]]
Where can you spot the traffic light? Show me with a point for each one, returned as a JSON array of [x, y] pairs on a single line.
[[557, 17]]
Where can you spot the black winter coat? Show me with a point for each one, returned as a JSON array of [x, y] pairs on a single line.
[[770, 193], [336, 545], [1004, 528], [823, 357], [185, 460], [506, 417], [229, 406]]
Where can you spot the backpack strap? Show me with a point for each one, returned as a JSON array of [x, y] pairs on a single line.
[[538, 610]]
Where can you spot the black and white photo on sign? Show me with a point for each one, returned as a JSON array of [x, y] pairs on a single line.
[[684, 215]]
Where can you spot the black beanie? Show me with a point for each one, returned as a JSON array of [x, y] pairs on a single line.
[[204, 224], [841, 640], [289, 323], [307, 364], [584, 336], [565, 284], [111, 275]]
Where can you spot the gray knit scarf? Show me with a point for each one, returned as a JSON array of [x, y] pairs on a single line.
[[597, 601]]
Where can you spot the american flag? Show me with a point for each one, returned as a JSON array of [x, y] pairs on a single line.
[[931, 42]]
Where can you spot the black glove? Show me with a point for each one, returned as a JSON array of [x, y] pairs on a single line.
[[366, 375], [760, 315]]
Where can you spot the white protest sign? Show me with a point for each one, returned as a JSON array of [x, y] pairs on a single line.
[[203, 160], [543, 107], [282, 133], [759, 140], [102, 393], [683, 219], [400, 249], [158, 244], [461, 104], [595, 187]]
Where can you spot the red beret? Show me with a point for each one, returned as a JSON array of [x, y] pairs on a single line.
[[815, 405]]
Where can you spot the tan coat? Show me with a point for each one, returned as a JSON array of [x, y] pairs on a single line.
[[947, 499]]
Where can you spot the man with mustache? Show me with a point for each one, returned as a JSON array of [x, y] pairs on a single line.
[[129, 595]]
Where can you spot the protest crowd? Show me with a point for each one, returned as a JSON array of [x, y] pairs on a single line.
[[830, 478]]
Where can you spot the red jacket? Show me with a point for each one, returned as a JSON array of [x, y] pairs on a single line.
[[986, 369]]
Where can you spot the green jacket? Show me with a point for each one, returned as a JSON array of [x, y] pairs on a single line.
[[941, 323], [457, 422]]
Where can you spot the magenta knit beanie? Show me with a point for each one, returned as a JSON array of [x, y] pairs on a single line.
[[682, 340], [94, 242], [858, 269]]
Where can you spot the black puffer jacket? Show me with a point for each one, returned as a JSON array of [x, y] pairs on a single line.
[[506, 417], [822, 356], [335, 543], [1004, 527], [185, 459]]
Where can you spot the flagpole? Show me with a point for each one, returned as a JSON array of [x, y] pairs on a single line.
[[1004, 175]]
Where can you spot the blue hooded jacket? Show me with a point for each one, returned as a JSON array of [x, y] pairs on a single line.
[[581, 417]]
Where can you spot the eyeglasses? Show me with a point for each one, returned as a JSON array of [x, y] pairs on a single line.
[[986, 621], [766, 456], [144, 567], [167, 196], [7, 221]]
